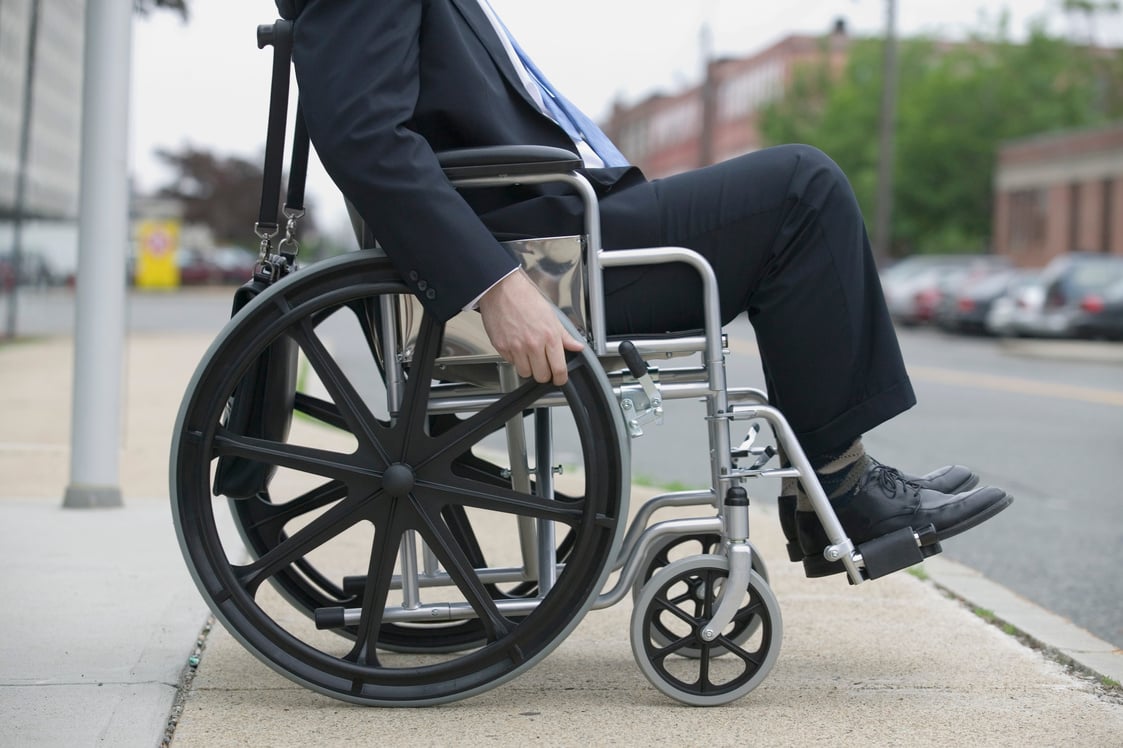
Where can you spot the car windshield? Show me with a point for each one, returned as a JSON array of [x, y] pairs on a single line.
[[1095, 275]]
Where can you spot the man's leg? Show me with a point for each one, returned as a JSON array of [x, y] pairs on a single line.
[[786, 239]]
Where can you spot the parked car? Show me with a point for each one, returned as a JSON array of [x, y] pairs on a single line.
[[1101, 314], [1013, 313], [1073, 288], [915, 286], [967, 308], [196, 268], [235, 264], [33, 271]]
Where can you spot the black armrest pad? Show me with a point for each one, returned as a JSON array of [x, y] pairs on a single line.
[[507, 161]]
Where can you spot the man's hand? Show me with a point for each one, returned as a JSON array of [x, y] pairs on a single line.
[[525, 329]]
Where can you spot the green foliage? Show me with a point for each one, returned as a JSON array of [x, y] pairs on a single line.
[[956, 104], [986, 615]]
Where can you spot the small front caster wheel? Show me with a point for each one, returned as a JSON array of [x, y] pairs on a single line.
[[669, 616], [676, 547]]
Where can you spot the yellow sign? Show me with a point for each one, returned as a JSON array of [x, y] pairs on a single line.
[[157, 245]]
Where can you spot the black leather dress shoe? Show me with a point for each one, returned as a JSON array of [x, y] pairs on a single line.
[[947, 479], [885, 501]]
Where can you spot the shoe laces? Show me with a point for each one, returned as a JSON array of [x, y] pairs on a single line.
[[890, 479]]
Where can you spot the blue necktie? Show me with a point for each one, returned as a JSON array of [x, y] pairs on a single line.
[[575, 122]]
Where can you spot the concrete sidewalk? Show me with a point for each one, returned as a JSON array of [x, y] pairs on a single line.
[[102, 618]]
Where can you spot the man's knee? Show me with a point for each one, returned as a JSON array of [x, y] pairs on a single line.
[[816, 177]]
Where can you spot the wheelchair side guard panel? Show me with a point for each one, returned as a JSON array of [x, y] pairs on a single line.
[[557, 267]]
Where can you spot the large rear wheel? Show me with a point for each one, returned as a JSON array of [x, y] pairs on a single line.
[[362, 499]]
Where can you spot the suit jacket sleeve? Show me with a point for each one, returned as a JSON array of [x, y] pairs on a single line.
[[357, 65]]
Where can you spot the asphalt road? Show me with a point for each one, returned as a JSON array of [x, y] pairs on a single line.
[[1043, 420]]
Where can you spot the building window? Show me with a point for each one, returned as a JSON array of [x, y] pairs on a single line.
[[1074, 200], [1106, 216], [1027, 219], [675, 124], [748, 91]]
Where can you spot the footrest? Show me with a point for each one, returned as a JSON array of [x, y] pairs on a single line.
[[898, 550]]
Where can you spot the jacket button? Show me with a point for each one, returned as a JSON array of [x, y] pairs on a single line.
[[413, 276], [430, 294], [422, 285]]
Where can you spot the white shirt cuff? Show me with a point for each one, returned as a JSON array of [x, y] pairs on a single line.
[[475, 302]]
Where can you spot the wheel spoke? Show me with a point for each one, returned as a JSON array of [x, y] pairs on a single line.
[[451, 555], [276, 515], [680, 599], [661, 653], [749, 611], [471, 431], [328, 525], [704, 665], [676, 611], [735, 649], [321, 410], [376, 590], [304, 459], [497, 499], [360, 420], [415, 400]]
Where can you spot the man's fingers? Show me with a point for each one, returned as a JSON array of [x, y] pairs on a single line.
[[555, 356], [526, 331], [571, 343]]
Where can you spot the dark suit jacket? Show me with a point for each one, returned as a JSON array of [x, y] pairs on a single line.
[[384, 84]]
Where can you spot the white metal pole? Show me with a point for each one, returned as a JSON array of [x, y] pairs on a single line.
[[103, 235]]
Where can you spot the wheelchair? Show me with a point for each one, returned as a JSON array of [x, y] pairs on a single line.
[[376, 506]]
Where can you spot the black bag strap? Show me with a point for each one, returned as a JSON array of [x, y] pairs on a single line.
[[279, 36]]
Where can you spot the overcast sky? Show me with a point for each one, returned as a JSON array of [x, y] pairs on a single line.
[[207, 84]]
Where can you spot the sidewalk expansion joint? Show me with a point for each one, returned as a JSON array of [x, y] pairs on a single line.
[[186, 677]]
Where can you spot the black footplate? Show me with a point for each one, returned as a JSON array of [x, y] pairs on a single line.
[[880, 556], [898, 550]]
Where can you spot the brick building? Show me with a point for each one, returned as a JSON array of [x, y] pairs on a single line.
[[1060, 192], [718, 119]]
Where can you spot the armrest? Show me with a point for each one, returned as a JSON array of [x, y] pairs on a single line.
[[507, 161]]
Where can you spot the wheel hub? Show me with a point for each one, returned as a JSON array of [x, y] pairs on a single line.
[[398, 480]]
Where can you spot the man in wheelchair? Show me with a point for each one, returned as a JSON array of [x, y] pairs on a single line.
[[386, 85]]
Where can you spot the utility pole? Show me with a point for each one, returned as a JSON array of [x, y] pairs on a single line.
[[103, 234], [21, 170], [709, 97], [884, 207]]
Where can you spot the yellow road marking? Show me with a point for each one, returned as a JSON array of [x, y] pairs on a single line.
[[1053, 390]]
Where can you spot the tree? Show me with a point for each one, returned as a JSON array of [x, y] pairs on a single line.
[[957, 103], [144, 7], [222, 192]]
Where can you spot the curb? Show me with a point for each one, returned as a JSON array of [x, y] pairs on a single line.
[[1056, 636]]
